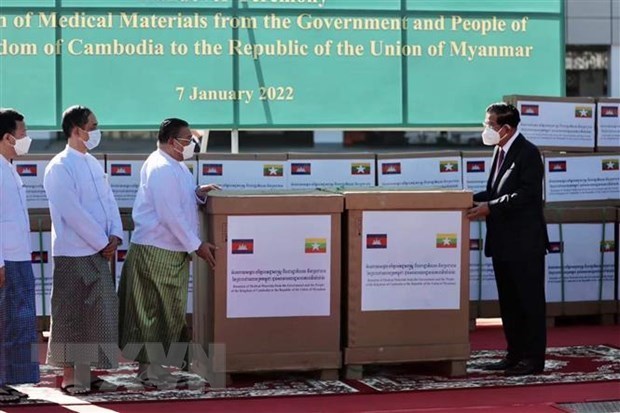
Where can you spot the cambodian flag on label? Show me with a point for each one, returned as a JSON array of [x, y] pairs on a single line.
[[26, 170], [120, 170]]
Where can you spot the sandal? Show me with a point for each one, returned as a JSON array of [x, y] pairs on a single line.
[[99, 384], [6, 395], [75, 390], [172, 379], [17, 393], [148, 382]]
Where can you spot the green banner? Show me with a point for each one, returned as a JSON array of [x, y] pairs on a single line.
[[277, 64]]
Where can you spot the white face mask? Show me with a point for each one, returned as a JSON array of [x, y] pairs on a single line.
[[490, 137], [94, 138], [188, 151], [22, 145]]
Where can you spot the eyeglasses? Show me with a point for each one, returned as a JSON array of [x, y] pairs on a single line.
[[185, 141]]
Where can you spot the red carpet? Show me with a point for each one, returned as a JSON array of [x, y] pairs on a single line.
[[441, 401], [526, 399], [489, 338]]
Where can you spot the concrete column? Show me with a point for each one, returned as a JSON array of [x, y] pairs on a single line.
[[614, 71]]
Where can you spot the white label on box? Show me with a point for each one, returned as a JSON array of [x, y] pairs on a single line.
[[476, 173], [32, 173], [485, 290], [608, 125], [582, 178], [560, 124], [411, 260], [240, 175], [124, 178], [580, 276], [42, 267], [278, 266], [322, 173], [429, 173]]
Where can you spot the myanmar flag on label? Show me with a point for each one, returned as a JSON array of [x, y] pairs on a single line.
[[611, 164], [583, 112], [475, 166], [274, 170], [557, 166], [609, 111], [448, 166], [608, 246], [26, 170], [374, 241], [360, 168], [120, 170], [38, 257], [391, 168], [242, 246], [316, 245], [212, 169], [446, 241]]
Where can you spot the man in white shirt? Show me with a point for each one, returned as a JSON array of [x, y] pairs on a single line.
[[154, 280], [17, 307], [86, 230]]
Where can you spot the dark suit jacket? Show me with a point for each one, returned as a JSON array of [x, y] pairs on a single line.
[[516, 227]]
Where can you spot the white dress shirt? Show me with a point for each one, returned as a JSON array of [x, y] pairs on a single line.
[[84, 211], [165, 212], [14, 222]]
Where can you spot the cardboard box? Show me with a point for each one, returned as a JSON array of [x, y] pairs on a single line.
[[389, 318], [608, 124], [42, 263], [557, 123], [243, 172], [31, 169], [482, 285], [310, 171], [264, 314], [476, 168], [123, 171], [581, 265], [618, 262], [420, 170], [582, 179]]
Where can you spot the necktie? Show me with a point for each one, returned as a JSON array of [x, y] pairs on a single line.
[[500, 161]]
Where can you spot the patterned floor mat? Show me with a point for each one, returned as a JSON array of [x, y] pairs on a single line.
[[577, 364]]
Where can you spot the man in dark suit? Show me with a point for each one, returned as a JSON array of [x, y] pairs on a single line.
[[516, 239]]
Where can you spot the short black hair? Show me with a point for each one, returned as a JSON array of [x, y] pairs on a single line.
[[505, 113], [75, 116], [8, 121], [170, 128]]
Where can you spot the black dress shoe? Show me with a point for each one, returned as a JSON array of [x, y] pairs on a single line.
[[525, 368], [504, 364]]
